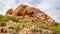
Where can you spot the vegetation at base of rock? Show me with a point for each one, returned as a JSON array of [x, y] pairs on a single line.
[[1, 17], [55, 29], [39, 25], [7, 18], [11, 25], [25, 22], [3, 23], [17, 26]]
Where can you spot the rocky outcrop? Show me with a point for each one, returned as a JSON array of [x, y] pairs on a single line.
[[23, 10], [9, 12]]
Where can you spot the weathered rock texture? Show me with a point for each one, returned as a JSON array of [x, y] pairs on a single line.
[[23, 10], [9, 12]]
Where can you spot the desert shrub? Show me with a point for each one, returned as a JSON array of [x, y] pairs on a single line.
[[3, 23], [11, 25], [14, 26], [1, 17], [7, 18], [18, 27], [25, 22], [38, 26], [55, 29], [29, 24]]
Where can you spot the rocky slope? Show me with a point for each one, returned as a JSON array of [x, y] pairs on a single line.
[[27, 20]]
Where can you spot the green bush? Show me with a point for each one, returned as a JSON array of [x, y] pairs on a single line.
[[55, 29], [29, 24], [3, 23], [11, 26], [1, 17], [7, 18], [18, 27], [25, 22], [38, 25]]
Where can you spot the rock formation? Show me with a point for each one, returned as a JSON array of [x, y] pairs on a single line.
[[23, 10], [9, 12]]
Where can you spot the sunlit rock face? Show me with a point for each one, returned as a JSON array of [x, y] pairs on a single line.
[[23, 10]]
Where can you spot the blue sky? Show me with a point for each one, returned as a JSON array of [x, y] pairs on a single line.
[[50, 7]]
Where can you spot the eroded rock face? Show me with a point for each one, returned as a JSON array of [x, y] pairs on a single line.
[[19, 10], [9, 12], [23, 10]]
